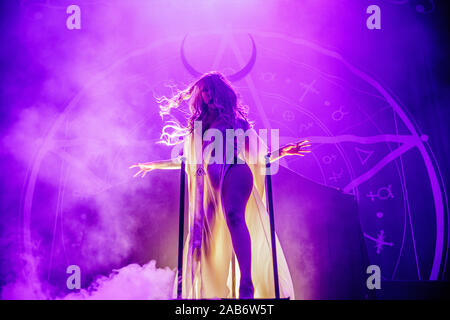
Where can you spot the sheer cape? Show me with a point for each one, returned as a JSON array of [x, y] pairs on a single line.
[[208, 267]]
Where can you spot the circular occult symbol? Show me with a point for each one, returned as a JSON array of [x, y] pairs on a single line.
[[359, 131], [364, 144]]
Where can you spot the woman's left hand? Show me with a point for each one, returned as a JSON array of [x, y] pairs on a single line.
[[298, 148]]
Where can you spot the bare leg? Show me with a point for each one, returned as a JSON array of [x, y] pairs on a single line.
[[237, 187]]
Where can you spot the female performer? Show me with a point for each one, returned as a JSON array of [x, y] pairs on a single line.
[[227, 210]]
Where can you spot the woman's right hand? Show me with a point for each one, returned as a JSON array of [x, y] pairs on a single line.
[[143, 168]]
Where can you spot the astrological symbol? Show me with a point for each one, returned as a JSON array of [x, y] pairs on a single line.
[[304, 127], [363, 155], [379, 241], [309, 87], [288, 116], [372, 196], [383, 193], [337, 176], [328, 159], [338, 114]]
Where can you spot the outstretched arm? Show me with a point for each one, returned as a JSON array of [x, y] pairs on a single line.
[[258, 146], [169, 164], [297, 148]]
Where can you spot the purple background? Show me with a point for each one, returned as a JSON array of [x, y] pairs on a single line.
[[78, 107]]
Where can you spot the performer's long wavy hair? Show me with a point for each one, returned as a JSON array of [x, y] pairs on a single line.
[[223, 94]]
